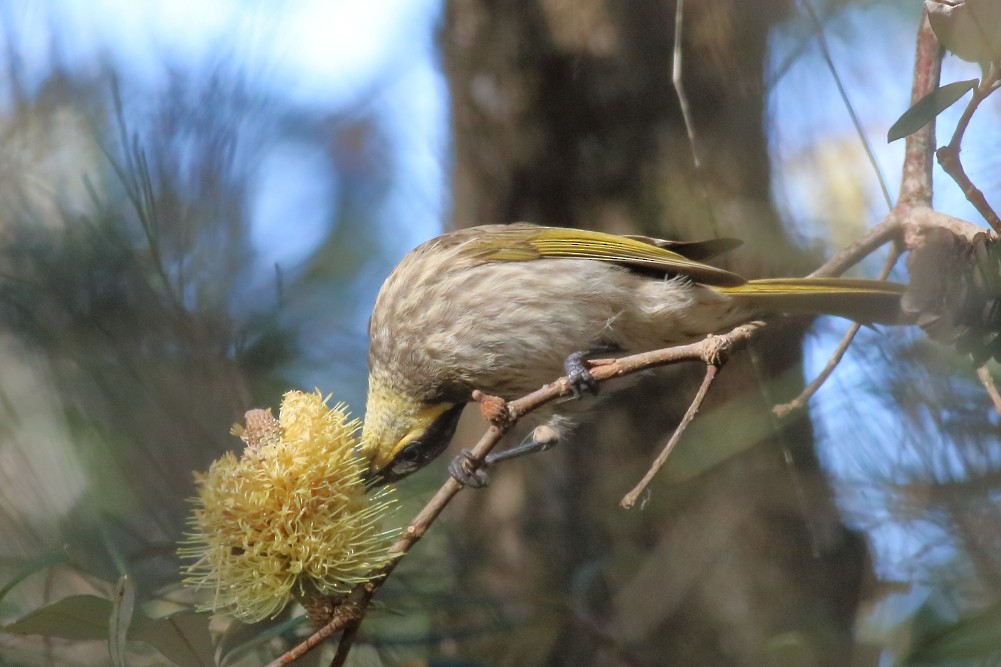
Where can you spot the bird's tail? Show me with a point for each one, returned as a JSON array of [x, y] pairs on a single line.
[[866, 301]]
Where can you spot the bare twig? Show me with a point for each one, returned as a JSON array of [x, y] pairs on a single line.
[[800, 401], [679, 88], [859, 130], [916, 187], [992, 390], [948, 156], [629, 499], [686, 112], [888, 229], [503, 416], [346, 642], [913, 210]]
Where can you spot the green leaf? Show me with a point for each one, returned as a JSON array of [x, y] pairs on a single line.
[[183, 638], [75, 617], [45, 561], [121, 617], [973, 638], [928, 107]]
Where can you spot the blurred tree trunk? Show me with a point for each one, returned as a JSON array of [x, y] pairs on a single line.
[[564, 114]]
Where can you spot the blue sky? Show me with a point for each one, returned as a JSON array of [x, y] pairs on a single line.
[[316, 55]]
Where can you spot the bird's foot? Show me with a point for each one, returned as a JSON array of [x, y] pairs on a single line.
[[468, 471], [579, 373]]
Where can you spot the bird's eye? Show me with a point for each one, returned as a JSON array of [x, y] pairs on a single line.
[[410, 454]]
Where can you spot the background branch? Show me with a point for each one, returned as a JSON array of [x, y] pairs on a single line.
[[916, 180], [949, 156], [800, 401]]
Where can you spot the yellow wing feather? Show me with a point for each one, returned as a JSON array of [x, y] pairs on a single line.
[[521, 243], [858, 299]]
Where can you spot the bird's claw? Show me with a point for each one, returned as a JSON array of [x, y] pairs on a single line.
[[468, 471], [578, 375]]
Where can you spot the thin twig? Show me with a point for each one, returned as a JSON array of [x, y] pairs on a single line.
[[784, 409], [503, 416], [859, 130], [913, 210], [630, 498], [686, 112], [948, 156], [679, 88], [992, 389], [888, 229], [345, 644], [798, 403]]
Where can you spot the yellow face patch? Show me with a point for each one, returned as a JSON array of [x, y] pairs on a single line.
[[418, 422]]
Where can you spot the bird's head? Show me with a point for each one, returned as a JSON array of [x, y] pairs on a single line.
[[401, 436]]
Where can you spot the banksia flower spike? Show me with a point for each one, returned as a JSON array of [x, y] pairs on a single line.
[[290, 517]]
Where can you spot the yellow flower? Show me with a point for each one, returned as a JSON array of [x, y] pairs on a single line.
[[290, 516]]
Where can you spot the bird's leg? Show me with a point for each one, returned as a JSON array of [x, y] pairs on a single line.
[[464, 470], [577, 371], [539, 440]]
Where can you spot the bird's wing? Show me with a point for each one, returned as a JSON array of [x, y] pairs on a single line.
[[696, 250], [521, 243]]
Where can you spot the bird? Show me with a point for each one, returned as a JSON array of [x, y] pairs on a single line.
[[506, 308]]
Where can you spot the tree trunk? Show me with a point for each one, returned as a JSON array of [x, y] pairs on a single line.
[[564, 114]]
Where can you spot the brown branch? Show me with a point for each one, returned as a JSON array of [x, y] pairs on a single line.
[[948, 156], [916, 180], [629, 499], [916, 188], [917, 220], [905, 224], [503, 416]]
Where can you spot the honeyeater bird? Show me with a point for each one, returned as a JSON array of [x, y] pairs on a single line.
[[507, 308]]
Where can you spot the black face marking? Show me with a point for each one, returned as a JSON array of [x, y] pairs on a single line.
[[424, 449]]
